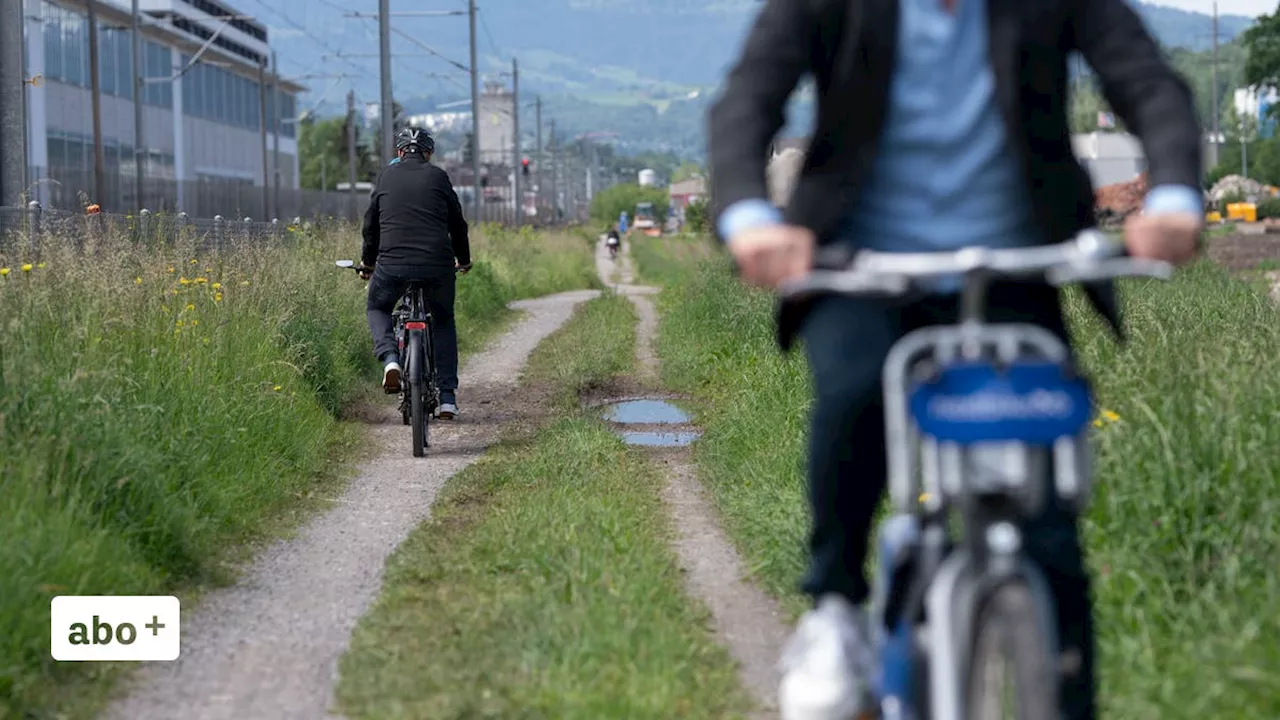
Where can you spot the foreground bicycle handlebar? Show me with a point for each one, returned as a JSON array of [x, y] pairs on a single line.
[[1089, 257]]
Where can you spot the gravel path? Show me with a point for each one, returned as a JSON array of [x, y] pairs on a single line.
[[268, 647], [745, 619]]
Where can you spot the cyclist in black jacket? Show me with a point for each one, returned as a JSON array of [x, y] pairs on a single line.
[[414, 230]]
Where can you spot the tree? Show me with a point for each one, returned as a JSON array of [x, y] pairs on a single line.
[[609, 203], [686, 170], [1086, 102], [322, 153], [1262, 45], [1263, 153]]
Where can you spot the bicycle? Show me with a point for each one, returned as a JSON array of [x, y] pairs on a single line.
[[420, 396], [976, 413]]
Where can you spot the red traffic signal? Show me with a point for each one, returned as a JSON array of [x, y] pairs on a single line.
[[524, 166]]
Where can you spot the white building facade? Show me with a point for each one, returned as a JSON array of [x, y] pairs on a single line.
[[202, 130]]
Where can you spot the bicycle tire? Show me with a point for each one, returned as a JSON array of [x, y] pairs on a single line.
[[417, 414], [1009, 635]]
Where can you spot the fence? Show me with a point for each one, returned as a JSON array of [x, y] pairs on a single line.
[[22, 230], [72, 190]]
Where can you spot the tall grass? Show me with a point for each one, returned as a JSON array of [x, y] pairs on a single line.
[[157, 405], [1184, 528]]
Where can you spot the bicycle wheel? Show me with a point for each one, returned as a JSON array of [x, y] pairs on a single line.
[[1011, 675], [417, 388]]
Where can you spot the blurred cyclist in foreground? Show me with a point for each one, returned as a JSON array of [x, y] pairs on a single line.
[[940, 124]]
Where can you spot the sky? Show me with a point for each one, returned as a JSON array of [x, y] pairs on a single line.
[[1250, 8]]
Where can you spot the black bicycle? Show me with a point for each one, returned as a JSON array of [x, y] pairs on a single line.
[[420, 396]]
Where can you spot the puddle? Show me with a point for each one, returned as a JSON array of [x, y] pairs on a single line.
[[646, 412], [660, 439]]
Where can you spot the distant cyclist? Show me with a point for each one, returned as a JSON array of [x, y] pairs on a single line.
[[414, 230], [612, 240]]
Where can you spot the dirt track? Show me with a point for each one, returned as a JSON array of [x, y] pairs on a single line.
[[1238, 252]]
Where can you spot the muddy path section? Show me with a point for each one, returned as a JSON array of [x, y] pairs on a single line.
[[746, 620], [268, 647]]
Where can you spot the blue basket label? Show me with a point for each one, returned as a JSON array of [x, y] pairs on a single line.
[[977, 402]]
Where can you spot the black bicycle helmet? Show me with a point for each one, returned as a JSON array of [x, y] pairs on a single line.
[[412, 139]]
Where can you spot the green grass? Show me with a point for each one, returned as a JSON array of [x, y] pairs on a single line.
[[544, 585], [666, 260], [158, 407], [1184, 529], [595, 347]]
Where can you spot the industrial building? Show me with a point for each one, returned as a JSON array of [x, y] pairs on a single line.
[[202, 126]]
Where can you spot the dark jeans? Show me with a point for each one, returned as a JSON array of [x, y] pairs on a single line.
[[847, 340], [387, 286]]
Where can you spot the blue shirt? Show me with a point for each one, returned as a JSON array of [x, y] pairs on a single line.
[[946, 175]]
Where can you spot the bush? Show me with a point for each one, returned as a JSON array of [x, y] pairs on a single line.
[[612, 201], [697, 216], [1269, 208]]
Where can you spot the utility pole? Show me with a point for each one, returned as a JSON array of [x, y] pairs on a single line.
[[388, 104], [555, 175], [262, 131], [537, 168], [591, 169], [1213, 143], [518, 172], [139, 152], [95, 93], [475, 116], [275, 140], [13, 125], [351, 152]]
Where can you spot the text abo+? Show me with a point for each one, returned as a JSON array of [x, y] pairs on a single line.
[[100, 628]]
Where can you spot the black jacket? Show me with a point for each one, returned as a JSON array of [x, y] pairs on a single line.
[[849, 46], [414, 220]]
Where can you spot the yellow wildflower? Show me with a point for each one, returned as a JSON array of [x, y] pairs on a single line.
[[1110, 416], [137, 281], [179, 323], [4, 271], [216, 286], [193, 262], [202, 280], [26, 267], [244, 283], [183, 281], [195, 323], [276, 388], [1097, 423], [171, 269], [40, 266], [217, 297], [190, 306]]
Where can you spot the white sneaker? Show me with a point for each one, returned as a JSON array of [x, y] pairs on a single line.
[[826, 663], [447, 411], [391, 377]]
